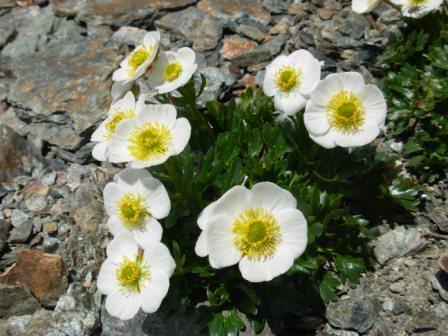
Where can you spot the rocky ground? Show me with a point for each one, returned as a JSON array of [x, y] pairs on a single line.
[[56, 60]]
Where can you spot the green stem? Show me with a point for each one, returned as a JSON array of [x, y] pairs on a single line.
[[173, 173]]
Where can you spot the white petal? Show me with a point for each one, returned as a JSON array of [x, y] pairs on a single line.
[[101, 151], [107, 279], [315, 119], [115, 226], [118, 145], [367, 133], [364, 6], [310, 68], [163, 113], [155, 73], [325, 140], [128, 101], [122, 304], [152, 39], [167, 87], [157, 197], [120, 88], [205, 215], [111, 194], [201, 245], [219, 239], [269, 87], [326, 88], [186, 56], [150, 162], [151, 233], [374, 104], [159, 258], [290, 103], [352, 81], [100, 132], [294, 231], [266, 269], [232, 202], [278, 62], [140, 105], [271, 197], [154, 291], [180, 135], [123, 245], [131, 177], [120, 75]]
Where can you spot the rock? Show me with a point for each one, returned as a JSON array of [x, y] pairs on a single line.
[[76, 313], [437, 211], [129, 35], [352, 314], [440, 284], [252, 29], [65, 91], [218, 81], [22, 226], [441, 310], [86, 209], [37, 203], [112, 326], [443, 263], [234, 46], [13, 150], [40, 272], [49, 179], [397, 243], [324, 13], [16, 300], [281, 27], [4, 230], [208, 35], [176, 324], [230, 11], [397, 287]]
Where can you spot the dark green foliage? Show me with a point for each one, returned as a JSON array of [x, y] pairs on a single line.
[[339, 191], [415, 70]]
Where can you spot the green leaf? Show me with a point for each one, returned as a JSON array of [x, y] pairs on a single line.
[[350, 267]]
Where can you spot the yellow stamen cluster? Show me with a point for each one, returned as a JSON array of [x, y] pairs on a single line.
[[131, 274], [113, 120], [149, 141], [417, 2], [256, 233], [172, 71], [138, 57], [345, 112], [132, 210], [287, 79]]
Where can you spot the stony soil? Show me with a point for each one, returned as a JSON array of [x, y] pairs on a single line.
[[56, 60]]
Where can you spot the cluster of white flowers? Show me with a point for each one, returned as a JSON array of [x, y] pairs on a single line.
[[410, 8], [340, 110]]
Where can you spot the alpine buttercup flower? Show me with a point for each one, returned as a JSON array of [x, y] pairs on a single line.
[[364, 6], [134, 202], [290, 79], [417, 8], [125, 108], [344, 111], [260, 229], [172, 70], [134, 276], [135, 64], [151, 138]]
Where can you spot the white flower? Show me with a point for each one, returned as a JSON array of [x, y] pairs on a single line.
[[151, 138], [364, 6], [290, 79], [417, 8], [344, 111], [134, 279], [134, 202], [260, 229], [173, 70], [125, 108], [136, 64]]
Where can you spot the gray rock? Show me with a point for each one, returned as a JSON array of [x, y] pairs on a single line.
[[49, 179], [176, 324], [441, 310], [16, 300], [76, 313], [440, 284], [15, 325], [252, 29], [36, 203], [397, 243], [218, 81], [22, 226], [129, 35], [4, 230], [112, 326], [353, 314]]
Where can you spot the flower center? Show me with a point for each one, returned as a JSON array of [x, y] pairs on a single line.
[[132, 210], [417, 2], [138, 57], [288, 78], [113, 120], [132, 273], [172, 71], [149, 141], [345, 112], [256, 233]]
